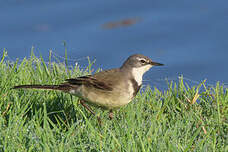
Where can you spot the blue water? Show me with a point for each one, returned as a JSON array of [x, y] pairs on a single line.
[[189, 37]]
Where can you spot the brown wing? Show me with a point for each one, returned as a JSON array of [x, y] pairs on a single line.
[[104, 80], [91, 81]]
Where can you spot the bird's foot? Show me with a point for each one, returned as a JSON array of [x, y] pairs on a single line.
[[99, 120], [111, 115]]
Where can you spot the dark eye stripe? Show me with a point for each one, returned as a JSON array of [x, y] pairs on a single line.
[[143, 61]]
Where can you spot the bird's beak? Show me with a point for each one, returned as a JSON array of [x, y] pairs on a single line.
[[156, 64]]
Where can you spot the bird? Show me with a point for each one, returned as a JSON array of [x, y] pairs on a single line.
[[108, 89]]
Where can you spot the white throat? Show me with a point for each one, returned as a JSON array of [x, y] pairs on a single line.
[[138, 73]]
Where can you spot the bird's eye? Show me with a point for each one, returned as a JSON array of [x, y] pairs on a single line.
[[143, 61]]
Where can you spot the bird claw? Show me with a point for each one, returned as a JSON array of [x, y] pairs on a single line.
[[111, 115]]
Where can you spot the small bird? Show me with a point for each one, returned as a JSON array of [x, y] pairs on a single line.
[[109, 89]]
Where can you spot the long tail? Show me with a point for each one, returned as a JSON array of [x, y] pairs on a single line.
[[62, 87]]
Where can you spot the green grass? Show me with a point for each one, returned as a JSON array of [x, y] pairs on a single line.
[[36, 120]]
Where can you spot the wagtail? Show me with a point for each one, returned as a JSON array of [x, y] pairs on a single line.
[[109, 89]]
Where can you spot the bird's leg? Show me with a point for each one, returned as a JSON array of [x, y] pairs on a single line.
[[82, 102], [110, 115]]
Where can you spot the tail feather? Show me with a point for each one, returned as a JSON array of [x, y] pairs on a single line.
[[62, 87]]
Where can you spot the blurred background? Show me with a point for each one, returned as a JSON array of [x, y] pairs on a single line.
[[189, 37]]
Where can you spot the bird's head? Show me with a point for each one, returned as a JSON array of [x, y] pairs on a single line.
[[138, 65]]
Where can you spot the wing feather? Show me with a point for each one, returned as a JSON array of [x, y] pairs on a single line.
[[91, 81]]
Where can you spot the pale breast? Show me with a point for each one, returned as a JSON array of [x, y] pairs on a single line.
[[107, 99]]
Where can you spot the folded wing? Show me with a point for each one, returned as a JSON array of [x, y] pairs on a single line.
[[89, 80]]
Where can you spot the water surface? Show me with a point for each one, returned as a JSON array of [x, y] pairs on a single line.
[[189, 37]]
